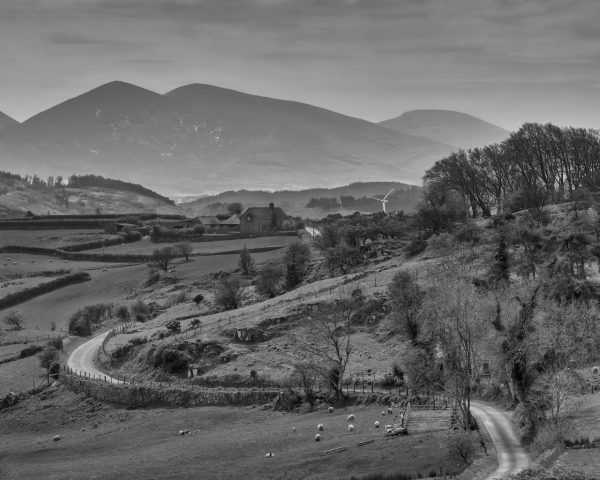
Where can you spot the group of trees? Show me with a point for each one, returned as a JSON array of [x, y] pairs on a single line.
[[536, 165]]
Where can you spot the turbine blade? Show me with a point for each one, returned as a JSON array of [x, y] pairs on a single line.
[[388, 194]]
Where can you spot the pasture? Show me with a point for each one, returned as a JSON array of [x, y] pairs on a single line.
[[146, 247], [224, 443], [50, 238]]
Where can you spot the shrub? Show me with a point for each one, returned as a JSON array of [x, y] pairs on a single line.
[[47, 356], [229, 294], [199, 229], [174, 326], [14, 320], [246, 262], [184, 249], [30, 351], [53, 326], [174, 361], [122, 313], [415, 246], [163, 256], [140, 311], [56, 343], [269, 280], [462, 445], [82, 321], [297, 257]]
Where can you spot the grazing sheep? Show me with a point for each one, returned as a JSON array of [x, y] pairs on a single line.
[[376, 424], [595, 370], [317, 438], [383, 413], [320, 427], [388, 427], [330, 409], [269, 454], [293, 429], [390, 411], [350, 417], [350, 428], [56, 438], [184, 432]]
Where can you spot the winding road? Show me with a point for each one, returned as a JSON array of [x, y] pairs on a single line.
[[512, 458], [82, 359]]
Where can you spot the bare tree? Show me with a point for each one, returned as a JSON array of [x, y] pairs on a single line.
[[14, 320], [327, 340], [184, 249], [407, 299], [269, 280], [163, 256], [246, 262]]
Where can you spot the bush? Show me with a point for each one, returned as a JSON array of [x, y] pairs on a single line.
[[56, 343], [172, 360], [269, 281], [82, 321], [140, 311], [297, 257], [462, 445], [122, 313], [199, 229], [415, 246], [30, 351], [246, 262], [174, 326], [14, 320], [229, 294], [47, 356]]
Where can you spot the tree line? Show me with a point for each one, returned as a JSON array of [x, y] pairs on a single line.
[[537, 164]]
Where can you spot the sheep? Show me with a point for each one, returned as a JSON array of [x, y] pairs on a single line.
[[390, 411], [330, 409], [595, 370], [320, 427], [317, 438], [389, 427], [293, 429], [376, 424], [56, 438], [383, 413], [184, 432], [350, 428], [350, 417], [269, 454]]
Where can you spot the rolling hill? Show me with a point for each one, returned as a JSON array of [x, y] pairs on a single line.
[[5, 120], [203, 139], [405, 197], [446, 126]]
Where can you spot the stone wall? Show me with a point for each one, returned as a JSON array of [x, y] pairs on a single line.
[[144, 395]]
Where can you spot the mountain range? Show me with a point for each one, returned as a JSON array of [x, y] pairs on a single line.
[[201, 139]]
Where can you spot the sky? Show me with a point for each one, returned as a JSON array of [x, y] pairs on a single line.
[[506, 61]]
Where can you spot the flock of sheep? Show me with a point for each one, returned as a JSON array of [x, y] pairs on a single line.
[[390, 429]]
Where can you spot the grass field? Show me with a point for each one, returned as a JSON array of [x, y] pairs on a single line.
[[49, 238], [146, 247], [21, 375], [225, 443], [111, 286]]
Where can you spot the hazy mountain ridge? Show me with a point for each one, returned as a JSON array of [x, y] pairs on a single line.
[[293, 202], [200, 138], [447, 126]]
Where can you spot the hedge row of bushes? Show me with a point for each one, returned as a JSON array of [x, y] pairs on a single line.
[[29, 293], [77, 256], [105, 216], [129, 237], [168, 236], [49, 224]]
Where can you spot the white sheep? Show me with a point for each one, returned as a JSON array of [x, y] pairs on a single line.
[[293, 429], [388, 427], [184, 432], [56, 438], [350, 417], [383, 413], [390, 411], [376, 424], [350, 428], [320, 427], [269, 454], [330, 409], [317, 438]]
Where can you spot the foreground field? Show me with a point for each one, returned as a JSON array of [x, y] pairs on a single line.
[[50, 238], [225, 443]]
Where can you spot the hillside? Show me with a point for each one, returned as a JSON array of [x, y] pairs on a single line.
[[5, 120], [203, 139], [446, 126], [405, 197], [18, 196]]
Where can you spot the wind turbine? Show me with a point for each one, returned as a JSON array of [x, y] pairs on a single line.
[[383, 200]]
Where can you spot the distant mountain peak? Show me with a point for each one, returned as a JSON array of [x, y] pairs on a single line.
[[447, 126]]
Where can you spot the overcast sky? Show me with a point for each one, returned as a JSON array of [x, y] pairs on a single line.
[[506, 61]]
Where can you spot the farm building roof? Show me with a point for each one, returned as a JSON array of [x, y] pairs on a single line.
[[208, 220], [233, 220], [265, 213]]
